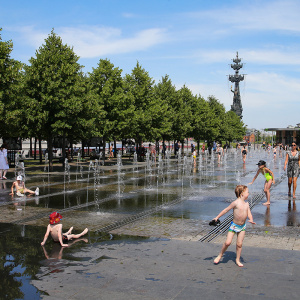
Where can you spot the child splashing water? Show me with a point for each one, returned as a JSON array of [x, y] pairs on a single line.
[[269, 179]]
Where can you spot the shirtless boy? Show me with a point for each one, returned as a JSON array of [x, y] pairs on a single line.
[[21, 190], [55, 230], [241, 211]]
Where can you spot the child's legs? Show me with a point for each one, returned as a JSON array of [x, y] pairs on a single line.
[[28, 191], [69, 231], [76, 236], [227, 242], [239, 244], [267, 189]]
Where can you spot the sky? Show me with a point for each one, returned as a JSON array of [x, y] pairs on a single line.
[[191, 41]]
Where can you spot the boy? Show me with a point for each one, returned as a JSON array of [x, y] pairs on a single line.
[[21, 189], [55, 230], [241, 211], [269, 179]]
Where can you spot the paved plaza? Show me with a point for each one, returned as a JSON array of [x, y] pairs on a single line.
[[160, 256]]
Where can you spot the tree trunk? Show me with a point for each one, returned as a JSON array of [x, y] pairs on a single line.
[[63, 150], [40, 151], [30, 147], [50, 153], [34, 154]]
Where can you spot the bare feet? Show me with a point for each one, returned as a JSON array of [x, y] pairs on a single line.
[[267, 203], [239, 263], [217, 259], [294, 196]]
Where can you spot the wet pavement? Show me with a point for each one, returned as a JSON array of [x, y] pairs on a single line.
[[155, 255]]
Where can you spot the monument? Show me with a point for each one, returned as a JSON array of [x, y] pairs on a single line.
[[236, 78]]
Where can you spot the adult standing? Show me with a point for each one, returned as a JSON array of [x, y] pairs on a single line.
[[3, 162], [292, 160]]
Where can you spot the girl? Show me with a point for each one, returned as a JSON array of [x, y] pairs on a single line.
[[269, 179]]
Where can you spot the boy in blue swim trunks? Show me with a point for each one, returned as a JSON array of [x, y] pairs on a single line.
[[241, 211]]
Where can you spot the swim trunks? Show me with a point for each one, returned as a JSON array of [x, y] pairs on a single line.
[[244, 152], [236, 228], [64, 240]]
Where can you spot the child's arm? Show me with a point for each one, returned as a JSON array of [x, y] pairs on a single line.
[[257, 173], [46, 236], [224, 211], [12, 188], [250, 217]]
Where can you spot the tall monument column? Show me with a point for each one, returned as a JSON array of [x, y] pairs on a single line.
[[236, 78]]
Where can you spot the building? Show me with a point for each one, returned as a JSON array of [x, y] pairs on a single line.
[[286, 136]]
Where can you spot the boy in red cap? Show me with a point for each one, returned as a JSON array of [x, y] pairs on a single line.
[[55, 230]]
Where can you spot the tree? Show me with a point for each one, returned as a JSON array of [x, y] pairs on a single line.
[[218, 118], [235, 128], [10, 96], [203, 120], [181, 121], [145, 122], [107, 86], [165, 91], [56, 98]]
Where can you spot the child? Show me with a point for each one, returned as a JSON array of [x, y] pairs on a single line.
[[55, 230], [244, 153], [269, 179], [21, 189], [194, 154], [241, 211]]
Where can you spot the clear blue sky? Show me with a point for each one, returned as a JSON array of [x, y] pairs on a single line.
[[192, 41]]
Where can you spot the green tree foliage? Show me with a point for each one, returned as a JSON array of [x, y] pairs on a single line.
[[56, 99], [107, 86], [165, 92], [10, 98], [218, 118], [234, 127], [204, 123], [182, 114], [53, 98], [146, 121]]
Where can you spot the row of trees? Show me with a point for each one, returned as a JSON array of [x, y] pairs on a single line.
[[52, 97]]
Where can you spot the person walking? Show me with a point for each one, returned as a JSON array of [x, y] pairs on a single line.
[[292, 161], [3, 162]]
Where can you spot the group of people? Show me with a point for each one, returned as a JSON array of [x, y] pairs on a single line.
[[241, 209]]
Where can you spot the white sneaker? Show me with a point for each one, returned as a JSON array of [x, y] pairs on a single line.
[[37, 191]]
